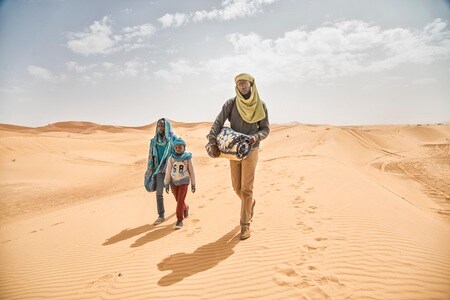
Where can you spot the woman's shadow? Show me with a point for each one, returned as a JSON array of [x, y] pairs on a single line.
[[153, 235], [184, 265]]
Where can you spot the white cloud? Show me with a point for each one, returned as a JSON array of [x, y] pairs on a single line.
[[44, 74], [94, 72], [177, 70], [130, 69], [144, 30], [108, 66], [169, 20], [131, 47], [172, 51], [74, 66], [424, 81], [92, 78], [100, 39], [332, 50], [231, 9]]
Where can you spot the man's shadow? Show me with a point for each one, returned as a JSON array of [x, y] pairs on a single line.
[[151, 236], [206, 257]]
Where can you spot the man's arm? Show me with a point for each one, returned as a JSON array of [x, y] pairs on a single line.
[[264, 129], [220, 120]]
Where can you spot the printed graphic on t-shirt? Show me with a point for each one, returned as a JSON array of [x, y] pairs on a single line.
[[180, 170]]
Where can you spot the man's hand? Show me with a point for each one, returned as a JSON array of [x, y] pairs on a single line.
[[252, 139], [214, 151], [193, 188], [167, 189]]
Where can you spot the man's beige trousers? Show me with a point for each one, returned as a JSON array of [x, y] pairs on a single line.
[[242, 178]]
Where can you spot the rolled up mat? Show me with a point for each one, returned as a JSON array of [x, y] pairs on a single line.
[[233, 145]]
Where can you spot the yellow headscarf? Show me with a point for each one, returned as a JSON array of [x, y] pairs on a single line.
[[251, 109]]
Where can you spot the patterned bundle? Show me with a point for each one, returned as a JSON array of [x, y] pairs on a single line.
[[233, 145]]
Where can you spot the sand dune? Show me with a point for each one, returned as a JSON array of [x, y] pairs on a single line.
[[358, 212]]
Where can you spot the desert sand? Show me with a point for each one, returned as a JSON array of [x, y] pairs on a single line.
[[359, 212]]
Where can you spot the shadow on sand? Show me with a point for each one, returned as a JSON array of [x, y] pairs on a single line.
[[206, 257], [129, 233]]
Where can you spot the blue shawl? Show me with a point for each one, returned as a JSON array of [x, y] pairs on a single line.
[[154, 166]]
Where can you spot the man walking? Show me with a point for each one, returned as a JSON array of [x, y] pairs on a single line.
[[247, 114]]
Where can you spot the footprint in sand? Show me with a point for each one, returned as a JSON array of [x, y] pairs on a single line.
[[305, 228], [296, 185], [105, 279], [319, 239], [7, 241], [311, 210], [298, 200], [193, 231], [313, 247], [58, 223], [288, 276], [309, 190], [307, 277]]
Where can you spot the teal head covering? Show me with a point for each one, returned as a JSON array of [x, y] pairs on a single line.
[[166, 140], [185, 155], [168, 133], [179, 141], [156, 165]]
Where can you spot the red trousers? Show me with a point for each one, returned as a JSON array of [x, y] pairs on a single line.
[[180, 192]]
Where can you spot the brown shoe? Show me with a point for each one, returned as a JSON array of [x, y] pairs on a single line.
[[245, 233]]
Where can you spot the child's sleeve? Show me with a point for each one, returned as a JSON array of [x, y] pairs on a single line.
[[168, 170], [191, 172]]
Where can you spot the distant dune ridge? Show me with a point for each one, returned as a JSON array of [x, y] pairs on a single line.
[[349, 212]]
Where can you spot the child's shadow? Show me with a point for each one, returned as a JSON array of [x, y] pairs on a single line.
[[129, 233], [202, 259]]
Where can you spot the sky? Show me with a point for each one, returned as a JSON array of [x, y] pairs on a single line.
[[352, 62]]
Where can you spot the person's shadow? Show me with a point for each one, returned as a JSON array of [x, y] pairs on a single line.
[[151, 236], [184, 265]]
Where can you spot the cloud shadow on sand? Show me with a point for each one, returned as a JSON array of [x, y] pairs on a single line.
[[204, 258]]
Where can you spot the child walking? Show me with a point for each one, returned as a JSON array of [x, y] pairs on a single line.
[[179, 173]]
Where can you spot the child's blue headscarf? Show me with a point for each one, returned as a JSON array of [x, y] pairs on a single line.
[[180, 157]]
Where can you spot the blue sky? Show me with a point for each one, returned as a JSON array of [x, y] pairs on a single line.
[[131, 62]]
